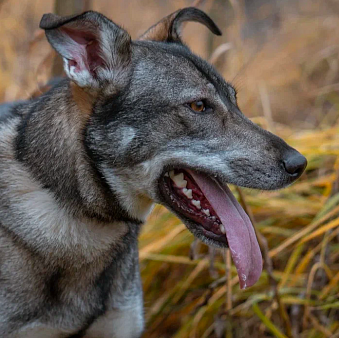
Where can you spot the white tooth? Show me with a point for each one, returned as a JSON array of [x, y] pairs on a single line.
[[187, 193], [166, 175], [179, 180], [222, 228], [206, 212], [213, 218], [196, 204], [171, 173]]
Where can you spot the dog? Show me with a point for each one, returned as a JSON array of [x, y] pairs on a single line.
[[133, 124]]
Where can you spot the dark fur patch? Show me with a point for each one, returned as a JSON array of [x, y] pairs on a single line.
[[20, 143], [53, 288], [79, 334]]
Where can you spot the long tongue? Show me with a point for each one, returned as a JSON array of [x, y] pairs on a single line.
[[240, 233]]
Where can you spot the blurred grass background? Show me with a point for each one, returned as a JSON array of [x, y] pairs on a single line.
[[282, 56]]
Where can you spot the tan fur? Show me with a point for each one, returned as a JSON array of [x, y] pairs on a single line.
[[83, 100]]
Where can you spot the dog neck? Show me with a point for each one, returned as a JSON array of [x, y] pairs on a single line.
[[50, 143]]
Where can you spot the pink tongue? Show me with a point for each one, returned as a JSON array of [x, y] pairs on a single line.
[[240, 233]]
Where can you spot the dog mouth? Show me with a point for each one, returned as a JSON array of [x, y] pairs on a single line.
[[213, 214]]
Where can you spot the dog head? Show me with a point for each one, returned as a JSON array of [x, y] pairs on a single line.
[[166, 127]]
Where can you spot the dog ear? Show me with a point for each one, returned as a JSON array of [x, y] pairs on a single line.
[[169, 28], [94, 49]]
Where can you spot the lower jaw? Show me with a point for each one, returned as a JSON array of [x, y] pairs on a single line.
[[212, 236], [195, 226], [206, 236], [192, 222]]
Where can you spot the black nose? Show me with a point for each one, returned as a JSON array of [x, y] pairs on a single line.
[[294, 163]]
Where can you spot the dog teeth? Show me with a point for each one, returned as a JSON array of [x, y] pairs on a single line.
[[222, 228], [206, 212], [196, 204], [179, 180], [213, 218], [187, 193], [166, 175]]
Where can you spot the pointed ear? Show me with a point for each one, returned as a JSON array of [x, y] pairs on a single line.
[[169, 28], [95, 50]]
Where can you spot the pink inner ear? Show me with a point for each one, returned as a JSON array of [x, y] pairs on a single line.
[[86, 52]]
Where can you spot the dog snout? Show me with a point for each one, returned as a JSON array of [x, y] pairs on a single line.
[[294, 163]]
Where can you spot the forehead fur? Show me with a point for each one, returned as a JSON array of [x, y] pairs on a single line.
[[175, 67]]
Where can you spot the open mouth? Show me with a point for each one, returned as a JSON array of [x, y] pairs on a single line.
[[209, 209]]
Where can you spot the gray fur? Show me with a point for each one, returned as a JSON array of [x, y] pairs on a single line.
[[79, 173]]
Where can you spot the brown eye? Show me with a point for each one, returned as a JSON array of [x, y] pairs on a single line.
[[198, 106]]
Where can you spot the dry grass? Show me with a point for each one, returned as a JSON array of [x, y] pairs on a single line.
[[285, 66]]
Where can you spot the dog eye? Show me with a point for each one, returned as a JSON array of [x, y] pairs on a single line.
[[198, 106]]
